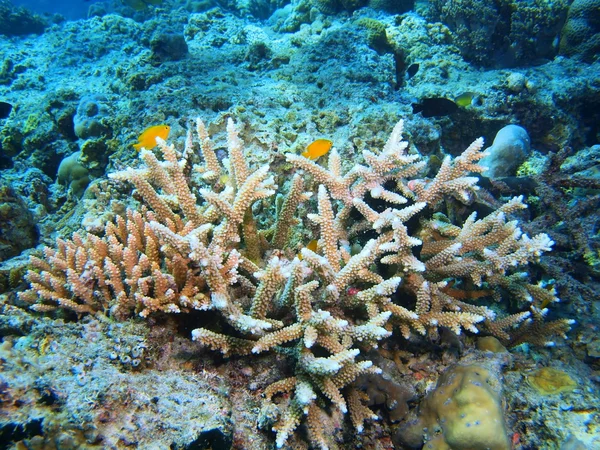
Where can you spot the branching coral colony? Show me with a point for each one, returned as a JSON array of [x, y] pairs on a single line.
[[194, 245]]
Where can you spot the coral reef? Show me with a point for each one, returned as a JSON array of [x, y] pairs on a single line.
[[180, 253], [17, 226], [502, 33], [74, 380], [179, 241], [16, 21], [568, 201]]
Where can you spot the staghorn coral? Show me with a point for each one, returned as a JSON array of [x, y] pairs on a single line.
[[194, 245]]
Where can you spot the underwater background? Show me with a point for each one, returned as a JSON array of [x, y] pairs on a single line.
[[68, 9], [307, 224]]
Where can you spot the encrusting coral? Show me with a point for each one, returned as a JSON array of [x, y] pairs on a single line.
[[194, 244]]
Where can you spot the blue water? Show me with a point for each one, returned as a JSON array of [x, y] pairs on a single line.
[[70, 9]]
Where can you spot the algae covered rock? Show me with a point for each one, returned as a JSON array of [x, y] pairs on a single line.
[[490, 344], [15, 21], [548, 381], [463, 412], [17, 226], [392, 6], [168, 47], [91, 114], [502, 33]]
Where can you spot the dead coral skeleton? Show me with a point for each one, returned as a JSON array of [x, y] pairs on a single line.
[[195, 245]]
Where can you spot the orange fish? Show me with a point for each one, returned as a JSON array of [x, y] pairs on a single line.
[[317, 149], [148, 138]]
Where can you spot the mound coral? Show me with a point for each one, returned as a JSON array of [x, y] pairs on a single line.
[[580, 37], [464, 411], [194, 244]]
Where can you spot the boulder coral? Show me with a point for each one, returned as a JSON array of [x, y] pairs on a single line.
[[510, 149], [463, 412], [580, 36]]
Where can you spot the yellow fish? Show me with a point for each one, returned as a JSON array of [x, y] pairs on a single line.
[[464, 99], [312, 245], [317, 149], [148, 138]]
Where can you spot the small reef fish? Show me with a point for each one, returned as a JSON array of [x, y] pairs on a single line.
[[412, 70], [464, 99], [317, 149], [224, 179], [435, 107], [5, 109], [434, 163], [140, 5], [312, 246], [148, 137]]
